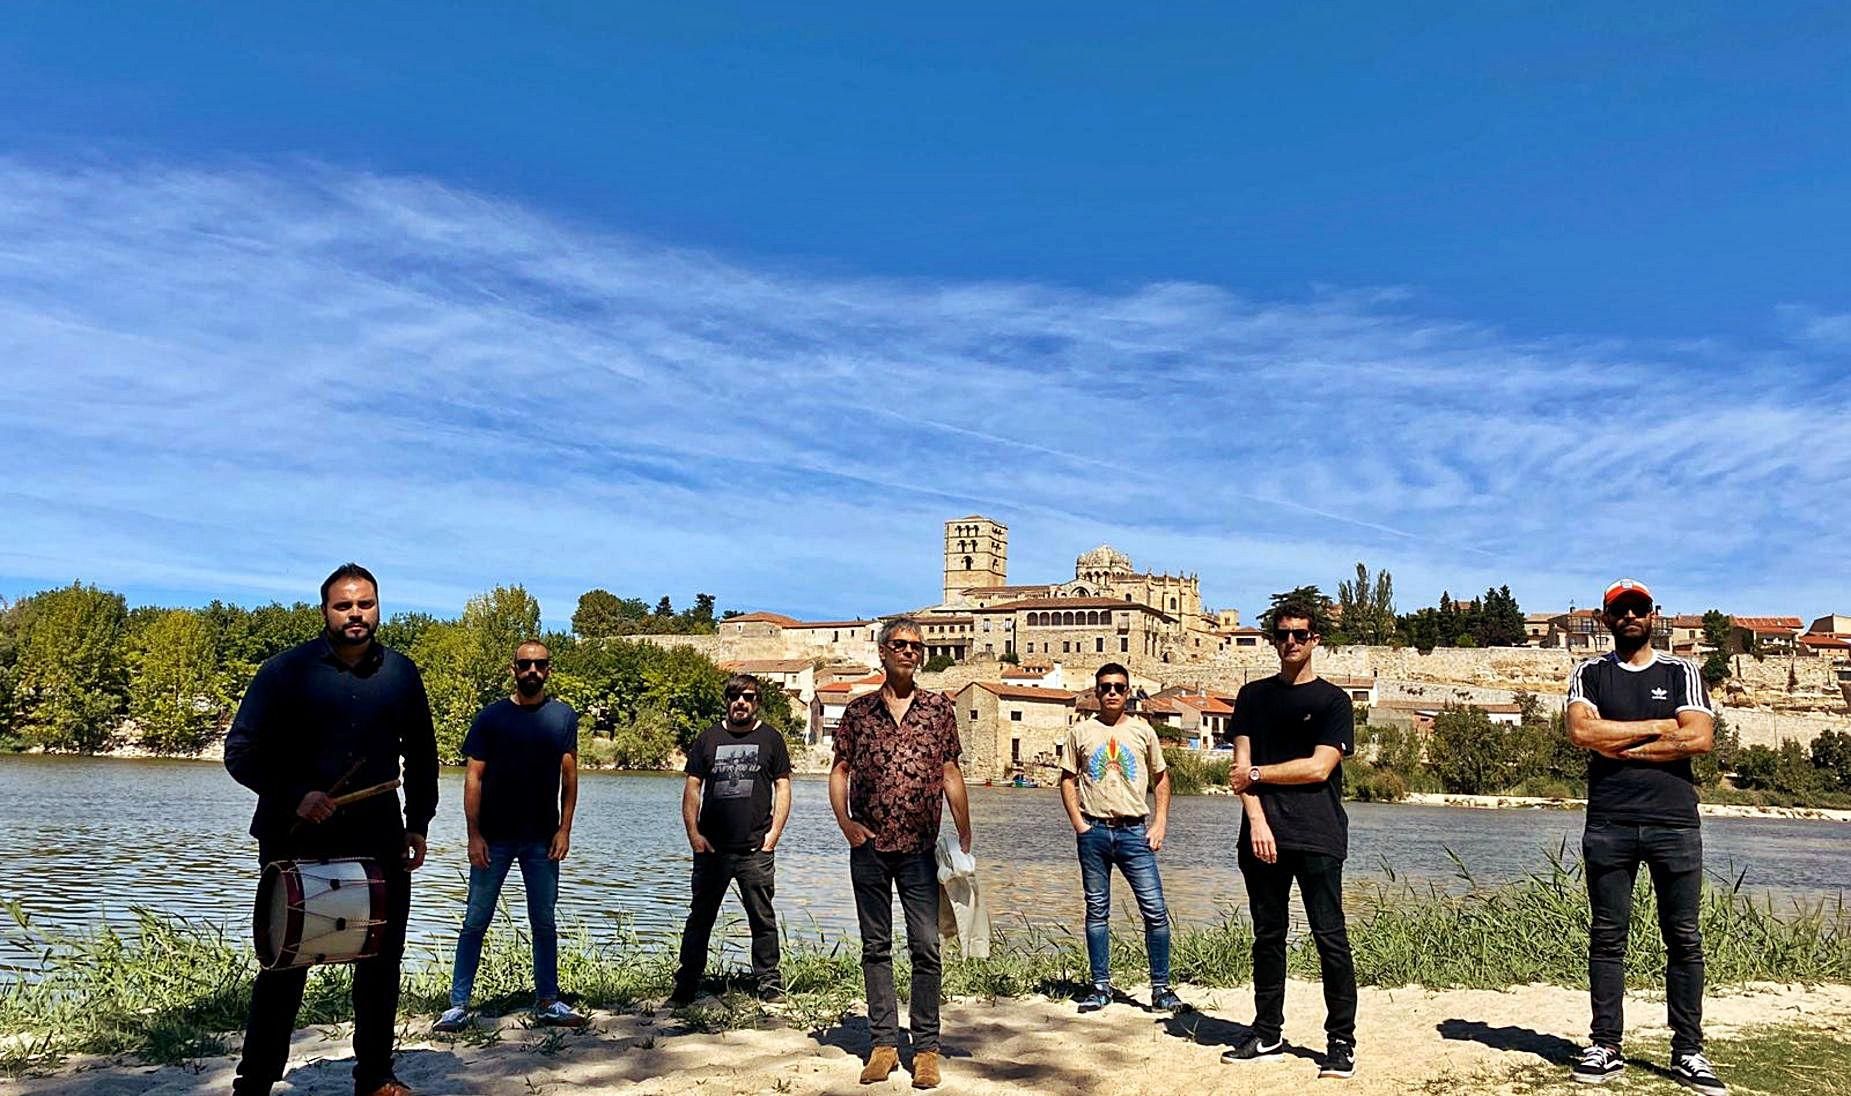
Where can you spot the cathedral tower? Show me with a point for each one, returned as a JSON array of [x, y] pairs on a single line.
[[976, 554]]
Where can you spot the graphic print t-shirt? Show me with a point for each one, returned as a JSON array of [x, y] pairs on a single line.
[[1662, 793], [1115, 764], [1285, 723], [737, 772], [520, 749]]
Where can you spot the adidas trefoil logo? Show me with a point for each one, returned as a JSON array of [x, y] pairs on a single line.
[[1660, 694]]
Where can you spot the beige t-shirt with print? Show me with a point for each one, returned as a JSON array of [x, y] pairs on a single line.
[[1114, 764]]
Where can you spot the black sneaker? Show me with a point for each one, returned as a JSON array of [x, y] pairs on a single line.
[[1598, 1065], [1165, 1000], [1095, 1000], [1695, 1071], [1255, 1049], [1339, 1061], [770, 995]]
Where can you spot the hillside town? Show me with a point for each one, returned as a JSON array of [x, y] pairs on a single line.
[[1018, 659]]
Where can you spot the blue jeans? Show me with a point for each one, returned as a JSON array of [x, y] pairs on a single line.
[[541, 876], [1128, 847]]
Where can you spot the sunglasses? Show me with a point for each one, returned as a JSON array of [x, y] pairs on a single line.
[[1108, 687], [533, 663], [1301, 635], [1629, 608], [753, 697], [906, 645]]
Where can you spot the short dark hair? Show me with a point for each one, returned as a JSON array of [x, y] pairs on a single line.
[[739, 683], [345, 571], [1111, 668], [1295, 610]]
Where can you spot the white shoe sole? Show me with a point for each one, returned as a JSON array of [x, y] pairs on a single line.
[[1588, 1079]]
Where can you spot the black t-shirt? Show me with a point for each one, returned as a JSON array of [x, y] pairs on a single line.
[[520, 749], [1285, 723], [1662, 793], [736, 772]]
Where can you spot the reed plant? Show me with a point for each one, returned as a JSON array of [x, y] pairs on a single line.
[[169, 990]]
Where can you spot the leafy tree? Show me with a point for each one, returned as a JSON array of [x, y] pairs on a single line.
[[1368, 607], [602, 613], [643, 743], [1724, 752], [1787, 770], [1309, 596], [9, 655], [176, 695], [465, 662], [71, 677], [1468, 752], [702, 613], [1499, 620], [938, 664], [1831, 756], [664, 609], [402, 631], [1719, 636]]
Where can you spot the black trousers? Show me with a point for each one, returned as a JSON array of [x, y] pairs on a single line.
[[1611, 854], [756, 874], [1269, 892], [875, 876], [277, 995]]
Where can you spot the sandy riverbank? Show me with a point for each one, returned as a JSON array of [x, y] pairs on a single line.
[[1533, 802], [1408, 1040]]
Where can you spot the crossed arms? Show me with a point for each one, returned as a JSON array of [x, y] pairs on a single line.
[[1690, 733]]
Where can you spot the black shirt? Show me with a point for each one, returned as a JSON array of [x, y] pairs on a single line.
[[1660, 793], [736, 772], [308, 717], [520, 749], [1286, 723]]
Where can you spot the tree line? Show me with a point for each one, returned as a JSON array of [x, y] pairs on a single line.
[[1468, 753], [80, 671]]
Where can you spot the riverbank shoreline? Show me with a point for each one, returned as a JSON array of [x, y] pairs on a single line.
[[1534, 802], [1409, 1039]]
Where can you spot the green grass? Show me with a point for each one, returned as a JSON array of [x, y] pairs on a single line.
[[1806, 1059], [167, 991]]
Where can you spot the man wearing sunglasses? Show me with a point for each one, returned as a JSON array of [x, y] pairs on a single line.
[[1291, 734], [519, 795], [1642, 716], [734, 805], [896, 760], [1107, 763]]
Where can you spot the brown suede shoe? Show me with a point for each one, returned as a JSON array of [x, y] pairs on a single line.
[[925, 1069], [881, 1062]]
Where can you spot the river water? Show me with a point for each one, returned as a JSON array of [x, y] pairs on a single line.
[[87, 840]]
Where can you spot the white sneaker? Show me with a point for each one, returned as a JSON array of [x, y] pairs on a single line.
[[455, 1019]]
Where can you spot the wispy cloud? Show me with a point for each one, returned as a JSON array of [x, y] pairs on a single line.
[[221, 382]]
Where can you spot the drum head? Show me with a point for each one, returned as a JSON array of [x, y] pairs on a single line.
[[276, 925]]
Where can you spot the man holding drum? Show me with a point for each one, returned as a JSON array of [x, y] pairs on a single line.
[[321, 723]]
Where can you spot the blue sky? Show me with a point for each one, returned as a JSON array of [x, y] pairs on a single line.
[[749, 301]]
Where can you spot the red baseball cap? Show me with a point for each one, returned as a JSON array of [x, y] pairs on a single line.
[[1626, 588]]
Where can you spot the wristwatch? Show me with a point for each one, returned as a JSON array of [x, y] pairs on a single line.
[[1253, 775]]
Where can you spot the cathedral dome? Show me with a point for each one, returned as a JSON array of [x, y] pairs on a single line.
[[1103, 558]]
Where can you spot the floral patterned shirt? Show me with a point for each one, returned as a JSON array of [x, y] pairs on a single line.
[[896, 772]]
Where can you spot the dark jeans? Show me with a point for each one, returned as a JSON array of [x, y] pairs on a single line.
[[1320, 887], [277, 995], [875, 876], [1127, 847], [1611, 854], [540, 877], [756, 874]]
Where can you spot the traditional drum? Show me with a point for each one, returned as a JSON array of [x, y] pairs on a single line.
[[319, 911]]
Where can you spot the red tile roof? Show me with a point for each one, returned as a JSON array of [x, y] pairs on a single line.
[[1826, 642], [1207, 705], [1769, 624], [761, 618], [828, 623], [1025, 692], [874, 680], [766, 665]]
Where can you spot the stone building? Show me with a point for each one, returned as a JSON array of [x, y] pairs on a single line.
[[1004, 728], [976, 554], [1102, 627]]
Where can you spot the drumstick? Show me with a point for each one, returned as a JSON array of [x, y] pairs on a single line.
[[335, 787], [364, 793]]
